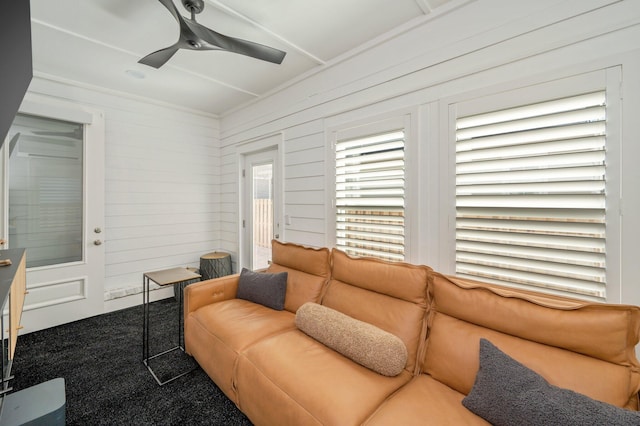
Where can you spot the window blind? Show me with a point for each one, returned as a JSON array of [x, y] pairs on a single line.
[[45, 190], [370, 192], [530, 195]]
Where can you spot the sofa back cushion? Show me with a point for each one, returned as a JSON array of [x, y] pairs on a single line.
[[586, 347], [308, 272], [390, 296]]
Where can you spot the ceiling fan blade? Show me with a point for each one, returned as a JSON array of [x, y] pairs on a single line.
[[172, 8], [237, 45], [160, 57], [255, 50]]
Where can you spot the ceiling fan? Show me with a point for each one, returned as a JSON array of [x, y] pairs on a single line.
[[195, 36]]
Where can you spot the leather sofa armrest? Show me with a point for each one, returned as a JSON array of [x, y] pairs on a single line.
[[211, 291]]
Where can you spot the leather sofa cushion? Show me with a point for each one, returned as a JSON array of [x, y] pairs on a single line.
[[452, 357], [424, 401], [364, 343], [216, 333], [309, 382], [308, 268], [314, 261], [399, 280], [608, 332], [239, 323], [558, 338], [392, 296]]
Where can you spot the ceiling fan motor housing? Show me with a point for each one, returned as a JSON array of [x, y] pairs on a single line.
[[195, 6]]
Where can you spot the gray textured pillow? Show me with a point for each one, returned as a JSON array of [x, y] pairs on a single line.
[[364, 343], [508, 393], [266, 289]]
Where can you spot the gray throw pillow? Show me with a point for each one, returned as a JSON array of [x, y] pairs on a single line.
[[266, 289], [508, 393]]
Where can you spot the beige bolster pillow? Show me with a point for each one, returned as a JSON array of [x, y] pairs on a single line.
[[362, 342]]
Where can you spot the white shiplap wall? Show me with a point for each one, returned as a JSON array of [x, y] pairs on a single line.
[[303, 155], [162, 185], [304, 184], [485, 46]]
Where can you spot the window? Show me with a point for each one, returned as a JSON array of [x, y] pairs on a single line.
[[531, 195], [370, 194], [45, 212]]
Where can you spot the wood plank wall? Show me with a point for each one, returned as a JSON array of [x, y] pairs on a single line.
[[162, 183], [481, 48]]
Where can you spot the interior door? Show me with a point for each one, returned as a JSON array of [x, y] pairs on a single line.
[[260, 224], [53, 206]]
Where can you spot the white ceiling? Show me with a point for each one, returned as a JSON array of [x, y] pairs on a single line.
[[98, 42]]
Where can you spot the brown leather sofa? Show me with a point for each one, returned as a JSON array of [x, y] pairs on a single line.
[[279, 375]]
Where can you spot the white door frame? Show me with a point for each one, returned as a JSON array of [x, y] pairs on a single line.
[[273, 144], [60, 294]]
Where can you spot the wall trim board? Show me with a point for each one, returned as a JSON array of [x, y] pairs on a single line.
[[115, 93], [135, 299]]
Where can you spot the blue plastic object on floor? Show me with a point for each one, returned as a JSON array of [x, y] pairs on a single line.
[[42, 404]]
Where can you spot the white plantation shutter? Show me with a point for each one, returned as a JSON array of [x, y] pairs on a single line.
[[530, 195], [370, 195]]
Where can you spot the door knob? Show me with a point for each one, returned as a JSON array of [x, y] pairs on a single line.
[[97, 242]]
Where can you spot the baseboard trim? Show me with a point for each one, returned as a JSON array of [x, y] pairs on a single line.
[[136, 299]]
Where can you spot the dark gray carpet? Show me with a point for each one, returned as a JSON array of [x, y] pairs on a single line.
[[100, 359]]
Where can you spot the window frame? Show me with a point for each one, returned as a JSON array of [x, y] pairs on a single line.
[[35, 226], [273, 142], [345, 127], [608, 79]]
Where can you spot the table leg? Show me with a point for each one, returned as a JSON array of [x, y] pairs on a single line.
[[145, 326], [145, 335], [180, 291], [4, 383]]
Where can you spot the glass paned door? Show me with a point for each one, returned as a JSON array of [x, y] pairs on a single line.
[[45, 190], [262, 182], [52, 184], [259, 207]]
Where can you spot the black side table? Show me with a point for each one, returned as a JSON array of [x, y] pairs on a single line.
[[180, 277]]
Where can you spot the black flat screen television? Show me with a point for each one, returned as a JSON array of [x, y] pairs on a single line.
[[16, 65]]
